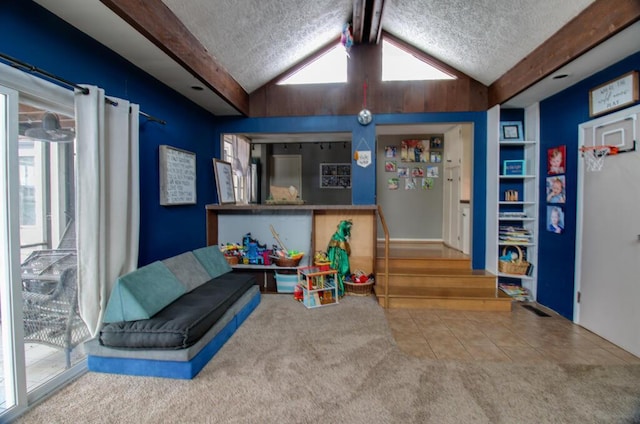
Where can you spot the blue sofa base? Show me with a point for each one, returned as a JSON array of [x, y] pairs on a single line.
[[163, 363]]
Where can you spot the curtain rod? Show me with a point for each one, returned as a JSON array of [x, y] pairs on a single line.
[[84, 90]]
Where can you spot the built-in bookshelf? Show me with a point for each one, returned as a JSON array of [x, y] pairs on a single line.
[[512, 202]]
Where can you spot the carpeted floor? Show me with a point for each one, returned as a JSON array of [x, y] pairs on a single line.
[[340, 364]]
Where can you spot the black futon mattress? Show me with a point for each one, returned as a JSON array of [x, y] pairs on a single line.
[[184, 321]]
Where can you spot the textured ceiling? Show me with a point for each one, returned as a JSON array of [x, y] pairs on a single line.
[[257, 40], [482, 38]]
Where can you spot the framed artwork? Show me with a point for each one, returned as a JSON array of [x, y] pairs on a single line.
[[417, 172], [432, 171], [435, 143], [177, 176], [392, 183], [335, 175], [556, 157], [511, 131], [224, 182], [390, 166], [403, 172], [436, 157]]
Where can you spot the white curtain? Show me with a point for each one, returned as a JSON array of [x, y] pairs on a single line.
[[242, 151], [107, 198]]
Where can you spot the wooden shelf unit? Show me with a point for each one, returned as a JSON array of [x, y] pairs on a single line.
[[320, 221]]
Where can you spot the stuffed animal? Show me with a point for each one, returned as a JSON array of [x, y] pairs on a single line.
[[338, 253]]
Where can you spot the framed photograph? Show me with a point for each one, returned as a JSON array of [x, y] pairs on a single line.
[[390, 166], [435, 157], [392, 183], [513, 167], [335, 175], [435, 143], [414, 150], [390, 151], [224, 182], [177, 176], [556, 189], [555, 219], [556, 160], [511, 131]]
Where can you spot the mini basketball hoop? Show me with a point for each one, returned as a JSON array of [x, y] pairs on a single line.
[[594, 156]]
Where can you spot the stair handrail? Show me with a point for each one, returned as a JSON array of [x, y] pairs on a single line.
[[386, 257]]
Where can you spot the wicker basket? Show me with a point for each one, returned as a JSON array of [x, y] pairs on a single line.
[[358, 289], [287, 262], [517, 267], [232, 260]]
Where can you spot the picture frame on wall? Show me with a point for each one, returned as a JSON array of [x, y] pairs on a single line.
[[511, 131], [224, 182], [556, 157]]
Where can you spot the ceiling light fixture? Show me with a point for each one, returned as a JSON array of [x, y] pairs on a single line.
[[50, 131], [364, 116]]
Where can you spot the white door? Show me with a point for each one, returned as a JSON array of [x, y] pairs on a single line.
[[609, 263], [451, 201]]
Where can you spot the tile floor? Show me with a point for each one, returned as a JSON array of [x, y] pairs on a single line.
[[517, 336]]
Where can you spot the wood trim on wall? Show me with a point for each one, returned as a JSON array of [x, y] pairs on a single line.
[[594, 25]]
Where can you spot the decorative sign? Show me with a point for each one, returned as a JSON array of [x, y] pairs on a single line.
[[613, 95], [363, 158], [177, 176], [224, 181], [513, 167]]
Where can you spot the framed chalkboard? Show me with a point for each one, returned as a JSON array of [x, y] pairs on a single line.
[[177, 176]]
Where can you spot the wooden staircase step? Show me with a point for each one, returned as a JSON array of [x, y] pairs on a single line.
[[424, 263], [459, 279], [471, 299]]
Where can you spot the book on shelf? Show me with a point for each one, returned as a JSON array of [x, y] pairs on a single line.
[[515, 291]]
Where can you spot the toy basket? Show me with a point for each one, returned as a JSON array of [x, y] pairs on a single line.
[[358, 289], [232, 260], [286, 262], [516, 267]]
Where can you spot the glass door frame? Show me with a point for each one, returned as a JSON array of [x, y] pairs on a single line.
[[21, 87]]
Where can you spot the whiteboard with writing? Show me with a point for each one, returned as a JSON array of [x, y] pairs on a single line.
[[177, 176]]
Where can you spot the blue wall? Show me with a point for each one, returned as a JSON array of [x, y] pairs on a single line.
[[560, 116], [33, 35]]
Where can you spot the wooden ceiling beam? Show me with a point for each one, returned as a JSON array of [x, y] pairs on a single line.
[[376, 22], [594, 25], [154, 20], [358, 20]]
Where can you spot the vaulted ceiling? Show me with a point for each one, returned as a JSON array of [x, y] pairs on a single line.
[[231, 49]]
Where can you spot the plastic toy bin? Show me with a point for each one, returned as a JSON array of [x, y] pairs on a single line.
[[285, 283]]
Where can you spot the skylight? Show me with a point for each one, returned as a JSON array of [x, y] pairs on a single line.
[[328, 68], [400, 65]]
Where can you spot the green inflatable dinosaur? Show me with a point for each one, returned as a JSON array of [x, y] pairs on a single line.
[[338, 253]]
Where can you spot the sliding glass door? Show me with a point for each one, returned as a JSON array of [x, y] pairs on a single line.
[[41, 327]]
